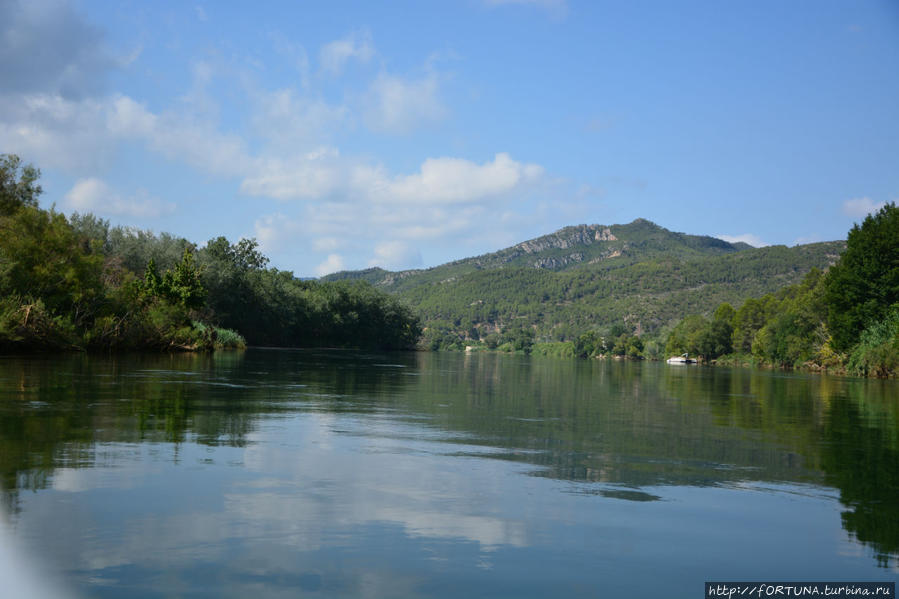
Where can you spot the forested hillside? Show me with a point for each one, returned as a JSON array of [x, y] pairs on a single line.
[[845, 320], [637, 278], [597, 246]]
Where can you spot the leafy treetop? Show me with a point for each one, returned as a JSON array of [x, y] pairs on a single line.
[[18, 185], [864, 284]]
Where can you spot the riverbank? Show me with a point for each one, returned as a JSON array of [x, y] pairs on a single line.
[[566, 350]]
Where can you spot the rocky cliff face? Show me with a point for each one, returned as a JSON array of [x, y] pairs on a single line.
[[563, 239], [558, 262], [393, 277], [566, 238]]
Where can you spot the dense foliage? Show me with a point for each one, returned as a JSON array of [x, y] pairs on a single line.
[[273, 307], [846, 319], [643, 297], [76, 282], [864, 286], [587, 282]]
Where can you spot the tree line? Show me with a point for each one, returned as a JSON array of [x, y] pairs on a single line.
[[842, 319], [846, 319], [79, 283], [644, 297]]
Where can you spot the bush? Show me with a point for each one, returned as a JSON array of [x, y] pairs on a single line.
[[228, 339], [26, 324], [877, 353], [556, 349], [211, 338]]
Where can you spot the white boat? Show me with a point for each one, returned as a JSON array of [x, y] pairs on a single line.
[[682, 359]]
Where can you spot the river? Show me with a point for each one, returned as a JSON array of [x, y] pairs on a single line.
[[286, 473]]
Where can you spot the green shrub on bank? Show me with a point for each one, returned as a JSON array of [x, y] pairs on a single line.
[[27, 324], [556, 349], [212, 337], [877, 353]]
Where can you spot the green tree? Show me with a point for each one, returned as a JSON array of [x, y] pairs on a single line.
[[785, 341], [724, 313], [715, 339], [588, 344], [135, 247], [634, 347], [18, 184], [747, 321], [619, 348], [41, 257], [718, 338], [863, 285], [182, 283], [152, 280], [687, 336], [93, 229]]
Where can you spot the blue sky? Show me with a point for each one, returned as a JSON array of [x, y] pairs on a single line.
[[345, 135]]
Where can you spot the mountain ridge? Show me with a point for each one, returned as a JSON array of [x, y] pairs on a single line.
[[588, 244], [581, 278]]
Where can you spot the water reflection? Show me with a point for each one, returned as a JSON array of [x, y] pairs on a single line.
[[324, 471]]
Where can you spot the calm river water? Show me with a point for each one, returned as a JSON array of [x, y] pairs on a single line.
[[276, 473]]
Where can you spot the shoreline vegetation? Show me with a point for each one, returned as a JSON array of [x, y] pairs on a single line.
[[842, 321], [76, 284]]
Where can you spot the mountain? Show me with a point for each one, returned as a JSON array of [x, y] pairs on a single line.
[[593, 277], [567, 248]]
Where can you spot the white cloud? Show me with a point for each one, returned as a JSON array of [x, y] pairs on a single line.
[[47, 47], [455, 180], [333, 263], [94, 195], [83, 134], [861, 207], [395, 255], [197, 142], [424, 222], [275, 231], [397, 105], [333, 56], [750, 238], [322, 228], [287, 120], [325, 244], [366, 231], [54, 131], [323, 174], [314, 175], [354, 210]]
